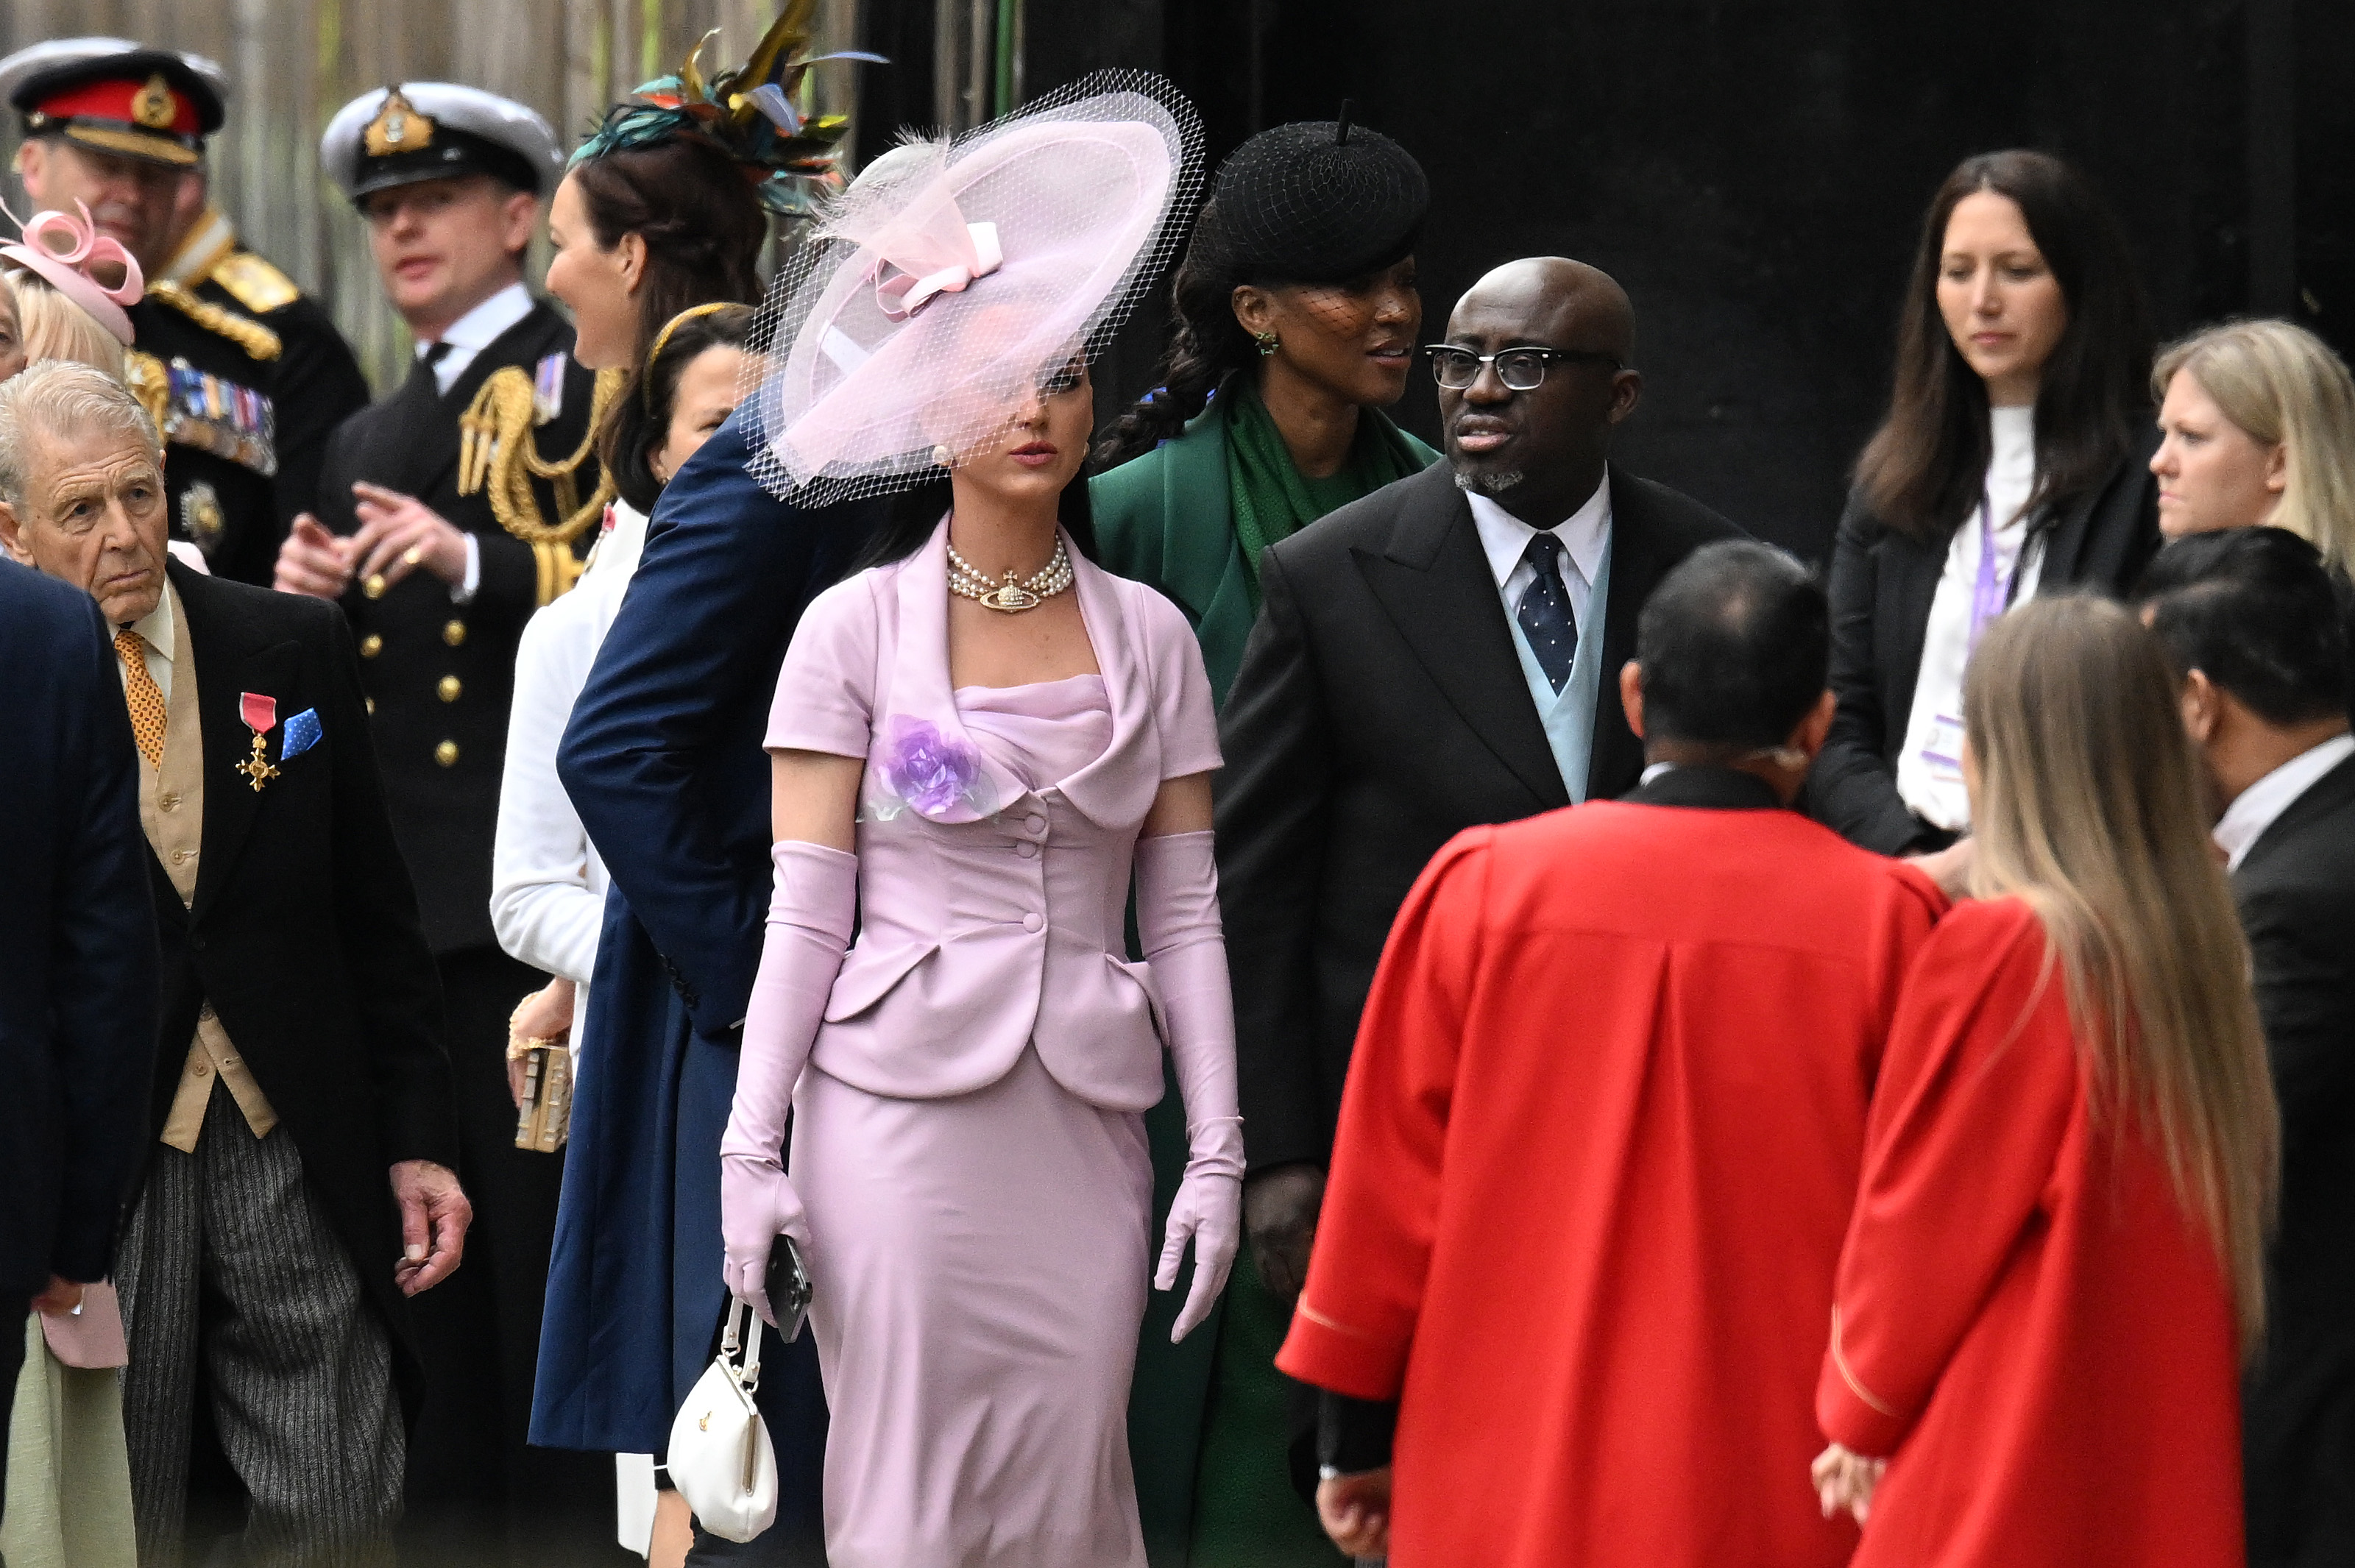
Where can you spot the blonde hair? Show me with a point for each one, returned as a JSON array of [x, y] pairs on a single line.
[[2089, 807], [2285, 387], [53, 327]]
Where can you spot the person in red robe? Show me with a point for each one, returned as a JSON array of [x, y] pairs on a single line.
[[2043, 1299], [1602, 1132]]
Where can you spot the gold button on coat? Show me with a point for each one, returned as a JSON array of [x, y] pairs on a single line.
[[449, 689], [371, 645], [371, 702], [374, 586], [446, 754], [453, 632]]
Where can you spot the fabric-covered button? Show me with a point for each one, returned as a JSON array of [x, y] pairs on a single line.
[[180, 857], [167, 803], [453, 632], [203, 1068], [1034, 923], [371, 645], [1027, 849], [1035, 823], [446, 754]]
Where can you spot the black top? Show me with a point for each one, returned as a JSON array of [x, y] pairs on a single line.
[[1379, 710], [233, 511], [77, 990], [440, 675], [1883, 581], [2296, 894], [303, 934]]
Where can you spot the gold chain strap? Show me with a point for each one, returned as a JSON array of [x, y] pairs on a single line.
[[257, 340], [497, 453]]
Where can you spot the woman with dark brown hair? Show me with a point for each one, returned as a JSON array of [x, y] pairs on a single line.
[[2013, 460]]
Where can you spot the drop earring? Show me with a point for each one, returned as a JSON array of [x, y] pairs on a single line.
[[1268, 343]]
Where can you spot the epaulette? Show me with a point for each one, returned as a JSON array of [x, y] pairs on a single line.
[[497, 453], [254, 283], [258, 341]]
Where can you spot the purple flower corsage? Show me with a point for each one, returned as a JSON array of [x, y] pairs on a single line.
[[922, 766]]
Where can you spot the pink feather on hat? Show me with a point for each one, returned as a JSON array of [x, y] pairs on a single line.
[[71, 269], [953, 276]]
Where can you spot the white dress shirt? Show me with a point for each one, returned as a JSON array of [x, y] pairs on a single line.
[[159, 640], [1504, 538], [547, 884], [476, 331], [467, 336], [2254, 809], [1929, 766]]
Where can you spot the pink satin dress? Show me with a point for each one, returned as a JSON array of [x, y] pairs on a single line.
[[981, 1262]]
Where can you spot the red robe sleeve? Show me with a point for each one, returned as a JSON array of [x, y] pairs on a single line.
[[1355, 1318], [1974, 1096]]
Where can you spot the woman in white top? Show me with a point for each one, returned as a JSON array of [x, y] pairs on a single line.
[[2012, 462], [547, 885]]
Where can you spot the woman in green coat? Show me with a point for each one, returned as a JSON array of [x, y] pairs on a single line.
[[1296, 322]]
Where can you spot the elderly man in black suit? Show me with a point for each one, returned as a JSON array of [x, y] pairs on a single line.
[[300, 1060], [78, 993], [1443, 652], [2253, 626]]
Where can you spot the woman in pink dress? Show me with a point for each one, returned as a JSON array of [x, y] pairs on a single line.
[[979, 741]]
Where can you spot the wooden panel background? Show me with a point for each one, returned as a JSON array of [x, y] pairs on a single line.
[[292, 63]]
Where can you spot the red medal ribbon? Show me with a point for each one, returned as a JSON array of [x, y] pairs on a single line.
[[260, 712]]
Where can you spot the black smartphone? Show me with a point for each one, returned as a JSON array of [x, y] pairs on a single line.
[[789, 1289]]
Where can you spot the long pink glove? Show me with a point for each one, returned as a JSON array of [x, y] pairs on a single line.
[[810, 916], [1177, 921]]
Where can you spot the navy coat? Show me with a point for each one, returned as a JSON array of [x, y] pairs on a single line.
[[663, 760], [79, 991]]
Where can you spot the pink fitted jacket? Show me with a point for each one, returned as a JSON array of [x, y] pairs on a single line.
[[990, 914]]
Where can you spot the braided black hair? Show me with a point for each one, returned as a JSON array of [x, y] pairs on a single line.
[[1207, 348]]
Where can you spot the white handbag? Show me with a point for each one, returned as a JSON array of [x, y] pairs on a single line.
[[720, 1459]]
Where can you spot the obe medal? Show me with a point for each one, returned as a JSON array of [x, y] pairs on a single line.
[[260, 716]]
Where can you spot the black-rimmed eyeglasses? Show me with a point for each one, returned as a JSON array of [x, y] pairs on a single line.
[[1522, 369]]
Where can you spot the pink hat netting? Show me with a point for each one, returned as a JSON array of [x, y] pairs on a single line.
[[952, 277]]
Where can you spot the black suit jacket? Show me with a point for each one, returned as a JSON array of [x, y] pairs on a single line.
[[304, 933], [1379, 710], [78, 985], [442, 673], [2296, 894], [1881, 584]]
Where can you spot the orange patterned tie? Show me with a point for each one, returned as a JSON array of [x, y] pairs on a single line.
[[146, 699]]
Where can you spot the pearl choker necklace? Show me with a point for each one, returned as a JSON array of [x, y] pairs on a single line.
[[1014, 595]]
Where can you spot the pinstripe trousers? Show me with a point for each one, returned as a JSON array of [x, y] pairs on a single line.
[[229, 1265]]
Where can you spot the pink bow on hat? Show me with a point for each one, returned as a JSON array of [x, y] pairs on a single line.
[[941, 258], [70, 269]]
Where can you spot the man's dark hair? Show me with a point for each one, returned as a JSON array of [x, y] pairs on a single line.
[[2255, 611], [1735, 646]]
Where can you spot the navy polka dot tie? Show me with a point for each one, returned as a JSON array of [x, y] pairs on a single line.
[[1544, 611]]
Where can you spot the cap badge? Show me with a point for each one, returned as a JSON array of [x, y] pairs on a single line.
[[152, 105], [397, 128]]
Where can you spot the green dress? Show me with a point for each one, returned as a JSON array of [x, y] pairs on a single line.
[[1206, 1419]]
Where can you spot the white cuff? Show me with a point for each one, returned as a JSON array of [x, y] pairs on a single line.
[[464, 593]]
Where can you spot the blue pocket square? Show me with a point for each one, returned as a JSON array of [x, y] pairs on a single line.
[[302, 733]]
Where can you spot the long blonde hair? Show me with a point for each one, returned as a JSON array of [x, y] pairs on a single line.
[[2285, 387], [52, 326], [2089, 807]]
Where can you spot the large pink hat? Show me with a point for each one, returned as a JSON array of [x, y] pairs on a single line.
[[953, 276], [66, 252]]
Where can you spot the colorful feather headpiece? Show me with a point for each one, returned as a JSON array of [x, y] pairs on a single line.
[[749, 114]]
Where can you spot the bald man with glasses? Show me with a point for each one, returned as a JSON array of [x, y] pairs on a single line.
[[1443, 653]]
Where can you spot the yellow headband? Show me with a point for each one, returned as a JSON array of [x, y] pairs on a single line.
[[662, 339]]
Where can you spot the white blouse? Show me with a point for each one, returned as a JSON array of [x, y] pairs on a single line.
[[1929, 768], [547, 885]]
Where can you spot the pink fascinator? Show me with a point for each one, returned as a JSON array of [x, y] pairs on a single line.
[[70, 255], [953, 276]]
